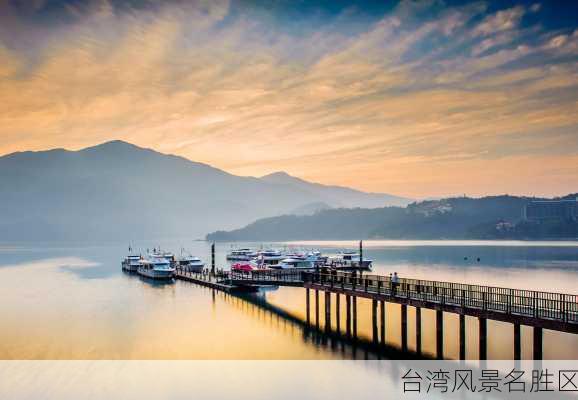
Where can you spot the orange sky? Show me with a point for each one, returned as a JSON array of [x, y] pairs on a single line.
[[488, 107]]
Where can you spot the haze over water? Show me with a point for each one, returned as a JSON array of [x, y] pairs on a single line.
[[59, 302]]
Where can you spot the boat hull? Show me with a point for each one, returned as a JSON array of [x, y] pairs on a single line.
[[156, 274], [129, 267], [193, 268], [238, 258]]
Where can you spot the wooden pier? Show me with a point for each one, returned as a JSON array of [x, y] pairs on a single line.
[[213, 281], [539, 310]]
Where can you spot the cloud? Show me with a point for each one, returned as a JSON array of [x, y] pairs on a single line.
[[418, 102], [501, 21]]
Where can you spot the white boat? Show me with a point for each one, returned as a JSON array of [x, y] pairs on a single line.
[[351, 259], [155, 266], [170, 257], [269, 257], [298, 262], [321, 259], [241, 255], [131, 263], [190, 263]]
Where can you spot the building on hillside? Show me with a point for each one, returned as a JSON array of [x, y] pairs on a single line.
[[543, 210]]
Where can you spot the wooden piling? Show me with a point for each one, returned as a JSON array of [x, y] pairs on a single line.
[[213, 259], [307, 306], [382, 322], [517, 342], [462, 337], [317, 308], [337, 313], [483, 338], [327, 311], [418, 330], [404, 327], [354, 300], [439, 334], [348, 315], [374, 320]]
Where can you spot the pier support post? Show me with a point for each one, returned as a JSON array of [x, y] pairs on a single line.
[[483, 339], [354, 316], [404, 327], [337, 313], [213, 259], [517, 342], [348, 315], [439, 334], [537, 343], [327, 311], [382, 320], [374, 320], [317, 308], [418, 330], [462, 337], [307, 306]]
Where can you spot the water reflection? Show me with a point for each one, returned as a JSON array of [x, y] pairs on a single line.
[[76, 303]]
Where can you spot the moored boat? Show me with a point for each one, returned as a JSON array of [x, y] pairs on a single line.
[[307, 261], [190, 263], [350, 259], [269, 257], [131, 263], [247, 266], [156, 266], [244, 254]]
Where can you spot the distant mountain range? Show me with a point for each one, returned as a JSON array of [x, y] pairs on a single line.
[[495, 217], [120, 191]]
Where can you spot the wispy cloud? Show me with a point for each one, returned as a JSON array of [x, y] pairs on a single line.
[[423, 101]]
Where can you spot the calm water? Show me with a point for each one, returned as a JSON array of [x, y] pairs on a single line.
[[76, 303]]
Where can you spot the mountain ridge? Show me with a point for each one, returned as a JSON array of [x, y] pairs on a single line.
[[490, 217], [119, 190]]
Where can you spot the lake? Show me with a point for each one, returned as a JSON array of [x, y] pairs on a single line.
[[74, 302]]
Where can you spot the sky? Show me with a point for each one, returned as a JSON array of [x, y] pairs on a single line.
[[419, 99]]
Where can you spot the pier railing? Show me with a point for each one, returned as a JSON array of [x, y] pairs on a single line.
[[555, 306], [268, 275], [528, 303]]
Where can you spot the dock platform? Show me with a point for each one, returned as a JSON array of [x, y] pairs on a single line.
[[218, 282]]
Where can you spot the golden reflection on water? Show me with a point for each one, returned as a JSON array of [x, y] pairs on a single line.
[[557, 345], [56, 308]]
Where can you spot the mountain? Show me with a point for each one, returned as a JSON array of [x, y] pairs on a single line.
[[119, 191], [494, 217], [337, 196], [310, 209]]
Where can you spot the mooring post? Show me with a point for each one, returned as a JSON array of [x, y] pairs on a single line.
[[483, 338], [404, 327], [418, 330], [307, 306], [382, 318], [348, 315], [462, 337], [213, 258], [354, 316], [327, 310], [317, 308], [439, 334], [337, 313], [374, 320], [517, 342], [537, 343]]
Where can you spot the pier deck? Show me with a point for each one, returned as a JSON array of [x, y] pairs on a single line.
[[213, 281]]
